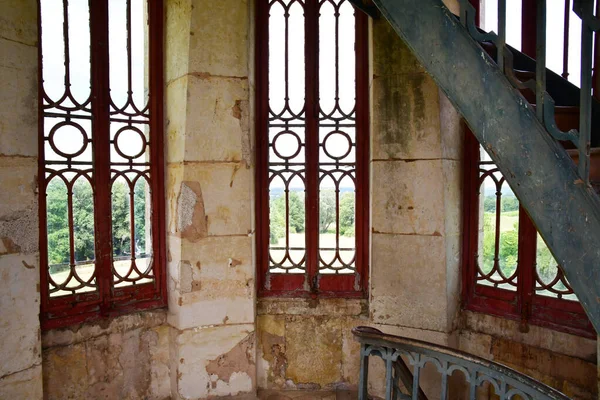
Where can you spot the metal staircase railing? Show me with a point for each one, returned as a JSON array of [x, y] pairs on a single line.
[[401, 383], [521, 140]]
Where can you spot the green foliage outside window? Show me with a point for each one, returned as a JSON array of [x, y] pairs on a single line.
[[509, 240], [83, 221], [327, 214]]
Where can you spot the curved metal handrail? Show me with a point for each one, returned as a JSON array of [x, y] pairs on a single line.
[[507, 382]]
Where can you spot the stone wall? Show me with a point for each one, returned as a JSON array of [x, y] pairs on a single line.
[[20, 351], [562, 361], [209, 198], [124, 358]]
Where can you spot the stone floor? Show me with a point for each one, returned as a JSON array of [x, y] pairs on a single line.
[[306, 395]]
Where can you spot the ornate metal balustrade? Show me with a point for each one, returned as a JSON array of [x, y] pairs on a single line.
[[402, 383]]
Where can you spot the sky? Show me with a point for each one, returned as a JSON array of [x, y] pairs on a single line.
[[68, 138]]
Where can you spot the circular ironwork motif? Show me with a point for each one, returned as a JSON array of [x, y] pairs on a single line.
[[68, 139], [287, 145], [130, 142], [335, 146]]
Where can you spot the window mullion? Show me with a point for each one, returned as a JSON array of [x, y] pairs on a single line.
[[526, 266], [100, 127], [312, 140]]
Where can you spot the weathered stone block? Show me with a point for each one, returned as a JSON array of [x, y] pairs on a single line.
[[452, 177], [451, 128], [225, 189], [298, 306], [545, 364], [316, 359], [221, 266], [177, 38], [18, 21], [219, 37], [23, 385], [390, 54], [157, 340], [215, 284], [216, 361], [406, 120], [192, 311], [65, 372], [18, 180], [218, 124], [408, 281], [408, 198], [176, 101], [271, 351], [19, 313], [125, 359], [18, 116], [549, 339]]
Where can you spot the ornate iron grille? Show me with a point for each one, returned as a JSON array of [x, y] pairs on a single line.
[[100, 158], [508, 269], [494, 266], [311, 146]]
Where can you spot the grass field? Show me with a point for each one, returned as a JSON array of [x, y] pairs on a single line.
[[326, 240], [507, 220], [85, 271]]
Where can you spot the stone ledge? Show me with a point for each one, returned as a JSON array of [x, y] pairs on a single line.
[[547, 339], [300, 306], [86, 331]]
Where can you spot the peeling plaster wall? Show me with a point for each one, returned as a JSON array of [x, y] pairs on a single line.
[[123, 358], [20, 351], [209, 198], [565, 362], [307, 344]]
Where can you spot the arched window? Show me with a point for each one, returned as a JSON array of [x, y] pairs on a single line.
[[312, 148], [100, 159]]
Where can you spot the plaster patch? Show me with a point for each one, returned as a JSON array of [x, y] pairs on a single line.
[[237, 360], [18, 232], [191, 216]]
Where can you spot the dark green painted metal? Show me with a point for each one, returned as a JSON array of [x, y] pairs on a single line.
[[564, 209]]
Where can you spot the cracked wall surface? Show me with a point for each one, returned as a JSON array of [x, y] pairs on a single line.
[[124, 358], [209, 199], [20, 351]]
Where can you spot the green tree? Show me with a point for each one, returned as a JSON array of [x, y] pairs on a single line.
[[57, 223], [140, 206], [509, 247], [83, 220], [121, 229], [489, 204], [327, 211], [510, 203], [278, 214], [347, 214]]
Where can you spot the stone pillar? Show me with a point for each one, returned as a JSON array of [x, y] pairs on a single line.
[[209, 191], [416, 196], [20, 348]]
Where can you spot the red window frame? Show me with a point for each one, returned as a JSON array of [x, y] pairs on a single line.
[[311, 284], [522, 304], [108, 300]]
